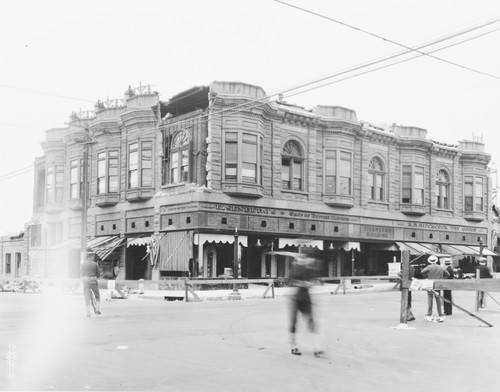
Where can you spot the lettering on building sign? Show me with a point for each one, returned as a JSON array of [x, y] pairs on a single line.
[[272, 212], [377, 231], [432, 226]]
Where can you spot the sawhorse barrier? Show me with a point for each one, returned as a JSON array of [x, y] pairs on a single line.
[[435, 286], [190, 285], [342, 281]]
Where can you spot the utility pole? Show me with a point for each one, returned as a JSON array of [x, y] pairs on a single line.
[[86, 141]]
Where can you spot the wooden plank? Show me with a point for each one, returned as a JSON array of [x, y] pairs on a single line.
[[462, 309], [492, 285]]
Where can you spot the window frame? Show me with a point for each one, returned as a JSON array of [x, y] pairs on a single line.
[[378, 192], [137, 172], [54, 186], [415, 171], [474, 197], [237, 166], [180, 153], [334, 173], [292, 154], [110, 159], [443, 190]]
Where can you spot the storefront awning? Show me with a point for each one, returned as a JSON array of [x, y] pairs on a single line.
[[298, 242], [103, 246], [104, 249], [220, 238], [418, 248], [139, 241]]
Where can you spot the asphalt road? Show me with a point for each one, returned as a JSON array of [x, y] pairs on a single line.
[[47, 343]]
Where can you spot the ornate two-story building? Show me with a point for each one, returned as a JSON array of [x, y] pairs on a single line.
[[170, 184]]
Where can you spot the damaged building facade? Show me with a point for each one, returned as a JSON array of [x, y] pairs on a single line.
[[172, 184]]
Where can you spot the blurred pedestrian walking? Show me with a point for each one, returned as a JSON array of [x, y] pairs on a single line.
[[303, 271], [89, 272], [484, 273]]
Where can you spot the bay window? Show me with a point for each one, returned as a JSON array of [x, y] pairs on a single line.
[[242, 157], [107, 172], [140, 164], [338, 173], [473, 194], [412, 190]]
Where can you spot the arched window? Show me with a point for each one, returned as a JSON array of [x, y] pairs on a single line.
[[376, 179], [179, 158], [442, 190], [292, 167]]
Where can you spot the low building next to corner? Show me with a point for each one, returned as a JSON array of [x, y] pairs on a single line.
[[171, 185], [13, 256]]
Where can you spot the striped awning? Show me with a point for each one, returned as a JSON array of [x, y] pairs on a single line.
[[103, 246]]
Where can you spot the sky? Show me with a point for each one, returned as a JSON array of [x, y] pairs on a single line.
[[59, 57]]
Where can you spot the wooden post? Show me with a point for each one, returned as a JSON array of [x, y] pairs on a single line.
[[405, 268], [477, 292], [186, 290]]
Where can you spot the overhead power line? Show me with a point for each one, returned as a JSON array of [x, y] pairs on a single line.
[[391, 40]]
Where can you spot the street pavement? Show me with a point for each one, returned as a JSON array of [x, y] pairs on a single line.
[[147, 343]]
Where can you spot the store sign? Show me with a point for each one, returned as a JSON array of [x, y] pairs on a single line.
[[380, 232], [432, 226]]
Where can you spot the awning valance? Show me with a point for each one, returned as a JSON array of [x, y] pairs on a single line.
[[351, 245], [298, 242], [139, 241], [220, 238]]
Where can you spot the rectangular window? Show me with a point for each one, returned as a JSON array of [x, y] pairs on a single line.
[[185, 165], [473, 194], [469, 194], [406, 184], [107, 172], [412, 188], [174, 169], [146, 164], [285, 174], [50, 184], [101, 173], [338, 172], [249, 158], [331, 172], [478, 194], [74, 180], [59, 183], [345, 170], [133, 165], [113, 171], [7, 263], [379, 187], [419, 185], [231, 156]]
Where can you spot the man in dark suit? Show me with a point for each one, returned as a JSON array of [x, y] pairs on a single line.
[[447, 293]]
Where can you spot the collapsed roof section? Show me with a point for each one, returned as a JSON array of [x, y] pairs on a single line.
[[186, 101]]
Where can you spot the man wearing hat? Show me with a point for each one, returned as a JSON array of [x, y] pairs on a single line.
[[89, 271], [484, 273], [447, 293], [434, 271]]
